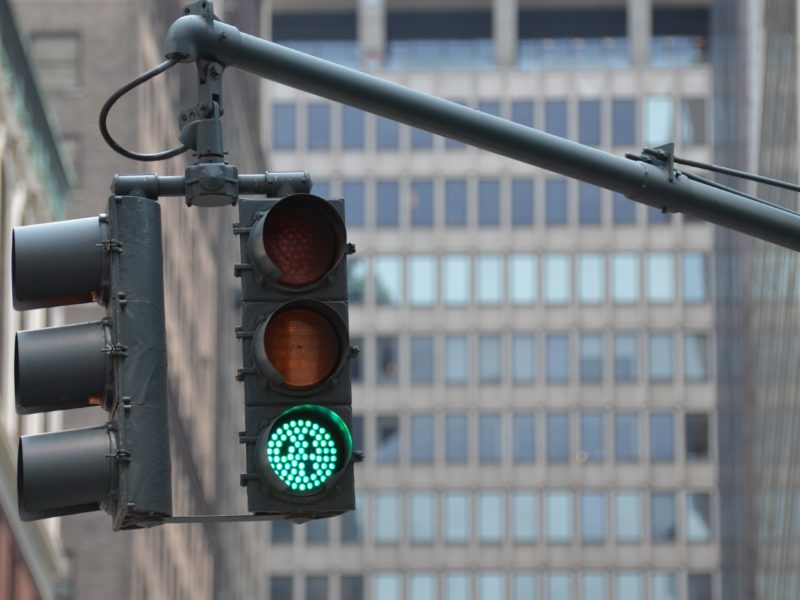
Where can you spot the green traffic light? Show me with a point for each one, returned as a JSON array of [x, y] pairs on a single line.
[[306, 448]]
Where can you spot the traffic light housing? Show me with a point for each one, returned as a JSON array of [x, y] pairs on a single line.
[[296, 355], [118, 363]]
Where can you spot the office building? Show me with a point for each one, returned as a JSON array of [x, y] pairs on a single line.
[[536, 393]]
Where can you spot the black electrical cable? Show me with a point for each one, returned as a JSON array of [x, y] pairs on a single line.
[[719, 186], [736, 173], [116, 96]]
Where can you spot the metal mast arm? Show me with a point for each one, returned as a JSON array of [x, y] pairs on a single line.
[[651, 181]]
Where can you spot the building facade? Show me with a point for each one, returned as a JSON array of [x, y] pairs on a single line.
[[84, 52], [35, 178], [536, 390]]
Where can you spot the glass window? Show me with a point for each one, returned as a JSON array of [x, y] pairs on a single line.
[[352, 531], [387, 272], [624, 210], [525, 516], [387, 518], [491, 585], [356, 277], [422, 203], [558, 437], [388, 440], [284, 126], [456, 517], [662, 436], [523, 274], [697, 443], [521, 202], [322, 188], [522, 112], [695, 357], [490, 357], [59, 59], [660, 356], [385, 586], [525, 586], [627, 516], [693, 122], [455, 202], [421, 139], [626, 437], [656, 216], [555, 117], [626, 357], [455, 279], [556, 202], [660, 277], [559, 518], [589, 208], [491, 107], [665, 586], [457, 586], [594, 586], [488, 202], [422, 439], [662, 517], [317, 587], [387, 360], [523, 358], [353, 192], [698, 517], [455, 359], [388, 198], [422, 280], [422, 359], [592, 436], [623, 122], [694, 277], [524, 437], [352, 128], [352, 587], [700, 586], [422, 586], [316, 532], [593, 517], [319, 126], [388, 134], [658, 118], [591, 278], [280, 587], [591, 350], [559, 585], [356, 362], [456, 440], [557, 357], [490, 279], [490, 438], [282, 532], [422, 517], [625, 277], [589, 122], [491, 517], [557, 279], [629, 586]]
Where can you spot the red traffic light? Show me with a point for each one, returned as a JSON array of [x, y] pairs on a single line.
[[298, 242]]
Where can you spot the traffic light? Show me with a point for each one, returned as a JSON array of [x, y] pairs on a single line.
[[118, 363], [296, 353]]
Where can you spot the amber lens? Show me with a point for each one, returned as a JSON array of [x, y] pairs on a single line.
[[302, 346], [301, 244]]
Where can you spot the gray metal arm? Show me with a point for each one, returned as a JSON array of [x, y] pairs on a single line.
[[654, 183]]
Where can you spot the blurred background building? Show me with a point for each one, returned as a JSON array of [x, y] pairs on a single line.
[[83, 52], [561, 394], [536, 392]]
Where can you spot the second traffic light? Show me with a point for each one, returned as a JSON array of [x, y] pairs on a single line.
[[296, 354]]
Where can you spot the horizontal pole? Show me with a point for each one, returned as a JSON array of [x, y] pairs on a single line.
[[191, 37]]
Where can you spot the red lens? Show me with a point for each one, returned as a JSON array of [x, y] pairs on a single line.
[[301, 244]]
